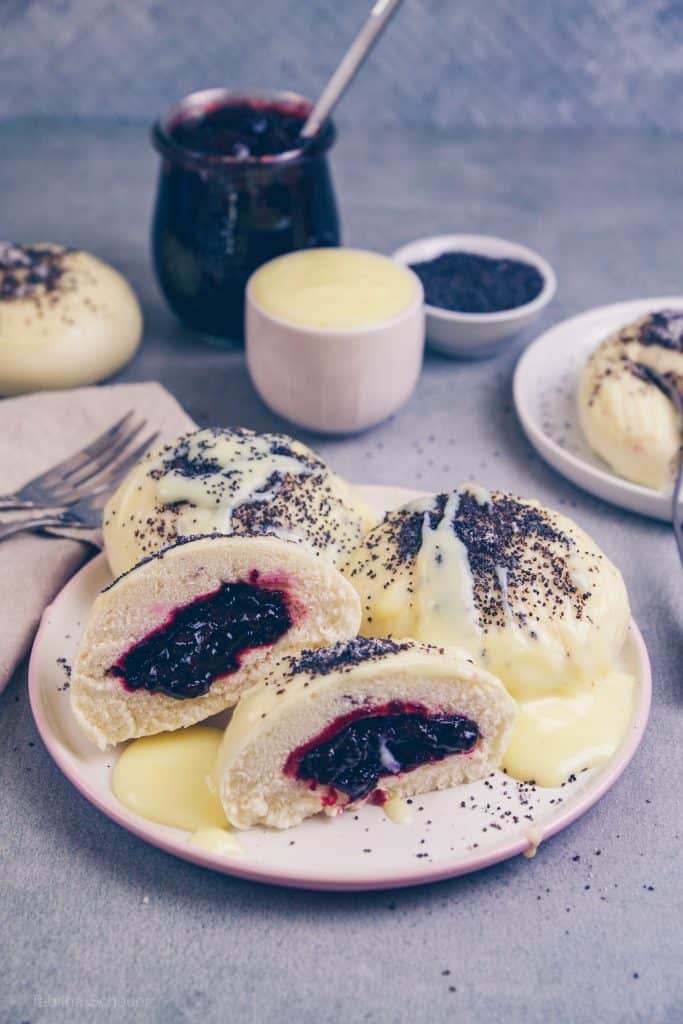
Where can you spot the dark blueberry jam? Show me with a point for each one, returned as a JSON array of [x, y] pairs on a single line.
[[240, 130], [358, 749], [204, 640], [465, 282], [236, 189]]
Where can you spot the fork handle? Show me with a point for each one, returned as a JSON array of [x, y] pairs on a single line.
[[19, 525]]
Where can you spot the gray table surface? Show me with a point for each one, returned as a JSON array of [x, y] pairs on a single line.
[[98, 925]]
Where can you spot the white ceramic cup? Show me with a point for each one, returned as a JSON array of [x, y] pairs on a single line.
[[335, 380]]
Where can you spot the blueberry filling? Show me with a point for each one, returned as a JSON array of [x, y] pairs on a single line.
[[360, 748], [203, 640], [241, 130]]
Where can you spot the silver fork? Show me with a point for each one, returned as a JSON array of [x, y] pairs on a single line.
[[84, 512], [671, 389], [85, 473]]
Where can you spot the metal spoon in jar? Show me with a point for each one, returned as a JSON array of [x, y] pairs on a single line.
[[378, 19], [673, 389]]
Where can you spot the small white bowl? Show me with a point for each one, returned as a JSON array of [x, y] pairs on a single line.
[[333, 380], [476, 335]]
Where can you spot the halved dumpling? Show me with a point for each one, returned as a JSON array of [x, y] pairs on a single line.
[[359, 721], [183, 634]]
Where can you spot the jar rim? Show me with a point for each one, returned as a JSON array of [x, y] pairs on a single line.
[[208, 99]]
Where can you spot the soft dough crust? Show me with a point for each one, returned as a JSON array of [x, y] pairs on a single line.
[[521, 587], [291, 706], [142, 599], [231, 480], [626, 419], [76, 324]]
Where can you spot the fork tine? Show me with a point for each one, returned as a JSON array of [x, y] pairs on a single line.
[[91, 502], [107, 479], [77, 478], [111, 475], [54, 476], [75, 484]]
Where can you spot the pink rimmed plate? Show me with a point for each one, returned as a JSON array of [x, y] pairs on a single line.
[[352, 852]]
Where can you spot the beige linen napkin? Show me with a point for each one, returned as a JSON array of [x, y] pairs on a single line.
[[37, 431]]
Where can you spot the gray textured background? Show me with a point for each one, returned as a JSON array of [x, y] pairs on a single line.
[[452, 64], [95, 925]]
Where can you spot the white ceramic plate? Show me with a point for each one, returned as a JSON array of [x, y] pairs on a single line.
[[544, 389], [356, 851]]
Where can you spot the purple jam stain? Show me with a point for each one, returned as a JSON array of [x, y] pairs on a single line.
[[358, 749], [204, 640]]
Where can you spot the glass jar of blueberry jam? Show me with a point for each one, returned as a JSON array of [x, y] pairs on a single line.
[[236, 188]]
